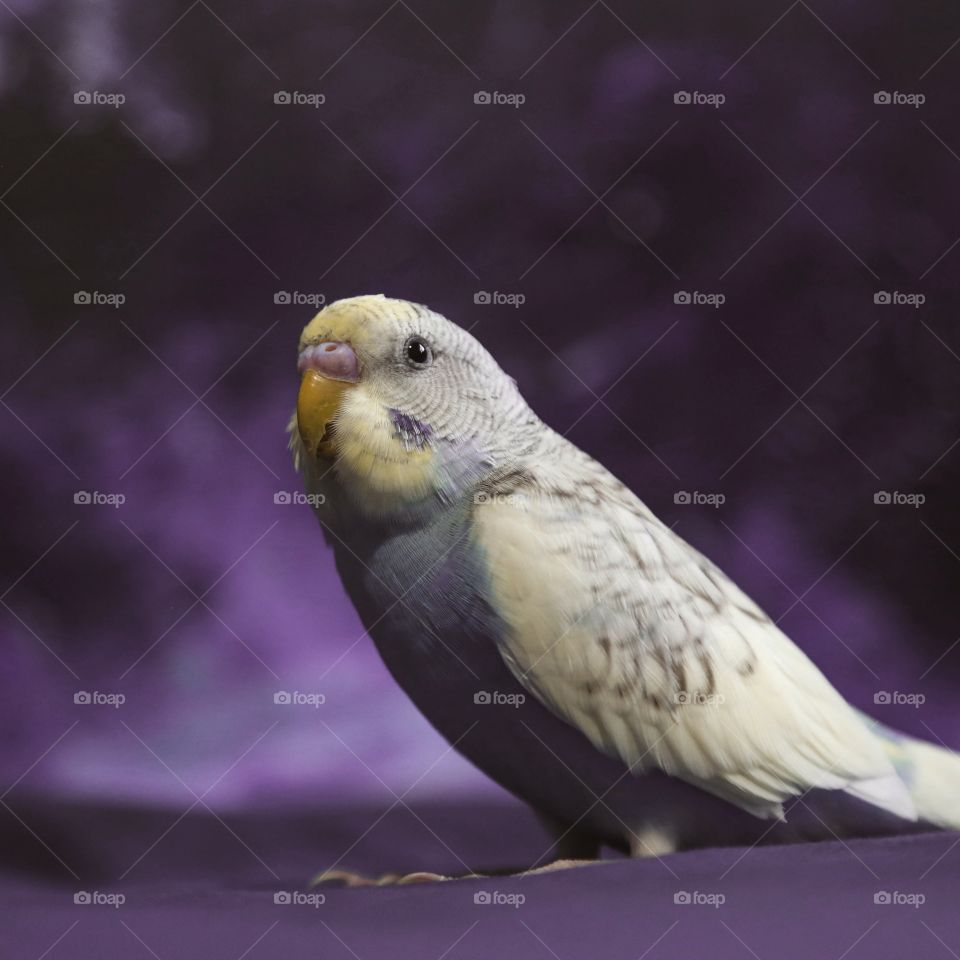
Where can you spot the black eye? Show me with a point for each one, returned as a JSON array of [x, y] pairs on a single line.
[[418, 352]]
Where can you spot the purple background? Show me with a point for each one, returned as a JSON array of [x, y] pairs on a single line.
[[798, 399]]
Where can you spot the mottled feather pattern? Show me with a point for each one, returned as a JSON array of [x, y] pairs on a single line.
[[652, 651]]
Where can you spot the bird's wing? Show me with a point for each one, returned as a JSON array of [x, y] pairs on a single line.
[[634, 637]]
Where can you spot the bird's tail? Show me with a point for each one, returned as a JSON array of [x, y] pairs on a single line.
[[931, 774]]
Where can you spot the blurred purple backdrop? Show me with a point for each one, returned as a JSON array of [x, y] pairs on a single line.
[[202, 202]]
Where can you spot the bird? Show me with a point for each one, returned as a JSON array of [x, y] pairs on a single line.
[[559, 635]]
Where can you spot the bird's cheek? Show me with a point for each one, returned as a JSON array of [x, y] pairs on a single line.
[[317, 406]]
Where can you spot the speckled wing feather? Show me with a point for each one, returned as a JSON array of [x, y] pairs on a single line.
[[634, 637]]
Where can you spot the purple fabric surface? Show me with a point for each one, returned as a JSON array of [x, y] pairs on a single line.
[[201, 893]]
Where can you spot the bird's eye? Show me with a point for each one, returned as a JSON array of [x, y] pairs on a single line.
[[417, 352]]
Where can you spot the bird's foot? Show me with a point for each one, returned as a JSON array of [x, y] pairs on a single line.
[[556, 865], [347, 878]]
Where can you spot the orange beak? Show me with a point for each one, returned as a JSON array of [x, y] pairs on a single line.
[[329, 370]]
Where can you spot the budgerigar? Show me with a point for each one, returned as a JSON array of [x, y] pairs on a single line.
[[558, 634]]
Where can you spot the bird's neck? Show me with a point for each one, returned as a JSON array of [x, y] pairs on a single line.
[[396, 493]]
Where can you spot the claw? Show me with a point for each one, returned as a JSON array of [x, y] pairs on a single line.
[[421, 876]]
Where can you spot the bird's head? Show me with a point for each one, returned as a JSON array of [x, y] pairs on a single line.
[[400, 405]]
